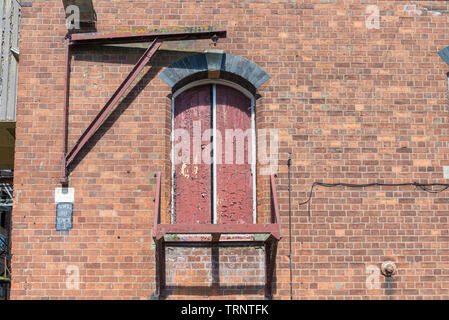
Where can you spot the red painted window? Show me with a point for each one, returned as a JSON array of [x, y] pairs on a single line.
[[213, 185]]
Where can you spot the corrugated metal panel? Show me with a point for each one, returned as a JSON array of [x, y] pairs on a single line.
[[10, 12]]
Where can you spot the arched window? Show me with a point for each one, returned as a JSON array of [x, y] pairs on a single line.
[[213, 154]]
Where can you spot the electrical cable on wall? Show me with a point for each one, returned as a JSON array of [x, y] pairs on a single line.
[[427, 187], [423, 186]]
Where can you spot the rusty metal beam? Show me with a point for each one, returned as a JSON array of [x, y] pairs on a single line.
[[269, 228], [270, 263], [210, 244], [164, 34], [109, 106], [160, 267], [274, 204], [66, 109], [160, 243]]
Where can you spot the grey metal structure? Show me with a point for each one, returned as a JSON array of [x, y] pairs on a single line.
[[10, 12], [6, 201], [6, 198]]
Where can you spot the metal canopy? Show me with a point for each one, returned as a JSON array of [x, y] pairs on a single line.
[[156, 37]]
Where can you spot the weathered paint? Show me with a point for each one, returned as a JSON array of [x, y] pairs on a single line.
[[272, 230], [230, 174], [193, 178], [234, 200]]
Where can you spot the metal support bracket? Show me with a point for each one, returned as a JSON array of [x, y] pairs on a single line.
[[160, 267], [270, 263], [109, 106], [157, 39]]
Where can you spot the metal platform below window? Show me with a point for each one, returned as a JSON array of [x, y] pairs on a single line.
[[267, 235]]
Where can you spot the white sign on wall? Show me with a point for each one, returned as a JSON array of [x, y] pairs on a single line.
[[64, 195]]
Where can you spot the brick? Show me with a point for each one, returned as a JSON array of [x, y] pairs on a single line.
[[352, 105]]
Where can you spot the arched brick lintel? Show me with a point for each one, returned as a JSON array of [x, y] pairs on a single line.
[[214, 65]]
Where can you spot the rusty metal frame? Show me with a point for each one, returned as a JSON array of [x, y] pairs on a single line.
[[156, 39], [273, 230], [136, 37]]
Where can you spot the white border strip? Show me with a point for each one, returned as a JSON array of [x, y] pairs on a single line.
[[214, 147], [253, 157]]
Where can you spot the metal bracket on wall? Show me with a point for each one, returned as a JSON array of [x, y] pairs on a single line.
[[155, 37]]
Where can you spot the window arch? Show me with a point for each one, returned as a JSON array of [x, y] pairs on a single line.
[[214, 65]]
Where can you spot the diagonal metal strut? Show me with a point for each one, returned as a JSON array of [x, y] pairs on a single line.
[[156, 36], [109, 106]]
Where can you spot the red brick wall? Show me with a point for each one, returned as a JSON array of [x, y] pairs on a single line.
[[351, 104]]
